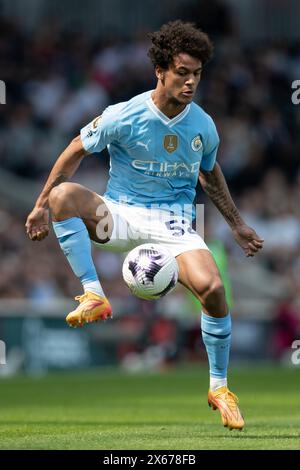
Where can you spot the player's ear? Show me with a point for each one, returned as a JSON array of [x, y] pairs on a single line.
[[159, 72]]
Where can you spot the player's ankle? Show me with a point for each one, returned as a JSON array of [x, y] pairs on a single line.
[[94, 287], [215, 383]]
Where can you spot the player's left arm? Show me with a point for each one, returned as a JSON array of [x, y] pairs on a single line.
[[215, 186]]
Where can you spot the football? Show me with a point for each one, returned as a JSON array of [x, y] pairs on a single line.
[[150, 271]]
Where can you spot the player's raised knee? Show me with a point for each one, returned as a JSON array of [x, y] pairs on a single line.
[[212, 286], [61, 201], [214, 299], [59, 193], [216, 288]]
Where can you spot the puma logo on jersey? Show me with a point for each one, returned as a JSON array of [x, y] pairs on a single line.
[[141, 144]]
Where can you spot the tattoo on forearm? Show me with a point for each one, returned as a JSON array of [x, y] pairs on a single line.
[[59, 179], [216, 188]]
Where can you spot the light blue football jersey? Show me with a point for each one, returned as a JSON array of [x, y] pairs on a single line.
[[154, 160]]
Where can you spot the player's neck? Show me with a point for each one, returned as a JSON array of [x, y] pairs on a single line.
[[167, 106]]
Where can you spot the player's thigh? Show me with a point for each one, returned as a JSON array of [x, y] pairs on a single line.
[[198, 271], [74, 200], [197, 268], [120, 239], [96, 216]]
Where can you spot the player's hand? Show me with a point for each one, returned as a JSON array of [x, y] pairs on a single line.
[[37, 224], [248, 239]]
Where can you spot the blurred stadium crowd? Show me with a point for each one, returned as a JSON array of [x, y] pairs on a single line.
[[58, 81]]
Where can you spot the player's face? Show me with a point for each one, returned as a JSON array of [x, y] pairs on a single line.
[[182, 78]]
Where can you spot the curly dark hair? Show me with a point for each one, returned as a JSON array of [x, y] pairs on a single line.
[[176, 37]]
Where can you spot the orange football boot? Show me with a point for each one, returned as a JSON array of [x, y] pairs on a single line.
[[92, 307], [226, 402]]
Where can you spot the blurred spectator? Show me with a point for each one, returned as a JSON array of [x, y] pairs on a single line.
[[212, 16], [286, 328]]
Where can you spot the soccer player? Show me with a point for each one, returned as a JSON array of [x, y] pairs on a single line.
[[160, 143]]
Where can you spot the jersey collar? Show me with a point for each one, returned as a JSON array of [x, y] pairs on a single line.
[[165, 119]]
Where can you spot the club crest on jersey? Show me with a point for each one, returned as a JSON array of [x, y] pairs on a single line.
[[171, 143], [196, 143]]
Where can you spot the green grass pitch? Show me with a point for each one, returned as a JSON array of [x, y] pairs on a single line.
[[112, 410]]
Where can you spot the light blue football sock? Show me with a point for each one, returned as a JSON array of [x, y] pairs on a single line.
[[216, 334], [75, 242]]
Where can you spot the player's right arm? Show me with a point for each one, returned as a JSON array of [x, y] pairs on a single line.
[[37, 224]]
